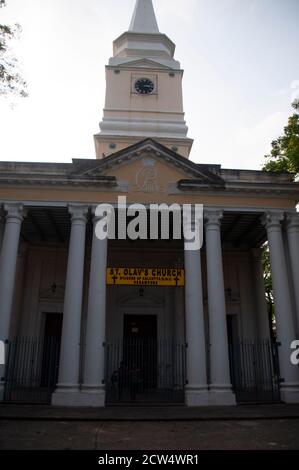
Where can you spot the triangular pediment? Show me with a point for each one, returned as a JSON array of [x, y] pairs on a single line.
[[145, 63], [148, 167]]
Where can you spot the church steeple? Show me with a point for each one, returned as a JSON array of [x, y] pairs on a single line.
[[143, 89], [144, 40], [144, 18]]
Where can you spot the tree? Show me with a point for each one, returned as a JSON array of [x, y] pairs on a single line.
[[284, 155], [11, 81]]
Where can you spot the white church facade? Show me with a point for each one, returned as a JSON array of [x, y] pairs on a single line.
[[89, 321]]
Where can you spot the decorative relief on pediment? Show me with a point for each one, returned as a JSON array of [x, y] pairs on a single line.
[[147, 178]]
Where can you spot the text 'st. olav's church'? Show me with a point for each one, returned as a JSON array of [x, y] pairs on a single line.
[[90, 321]]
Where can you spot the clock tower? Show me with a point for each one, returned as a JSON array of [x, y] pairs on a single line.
[[143, 89]]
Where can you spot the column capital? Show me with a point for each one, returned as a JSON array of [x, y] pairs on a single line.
[[192, 220], [14, 211], [78, 212], [292, 221], [213, 218], [272, 219], [101, 210]]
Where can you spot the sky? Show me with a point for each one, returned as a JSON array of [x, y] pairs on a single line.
[[241, 63]]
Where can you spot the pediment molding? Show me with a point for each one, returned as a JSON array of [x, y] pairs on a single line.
[[145, 63], [148, 149]]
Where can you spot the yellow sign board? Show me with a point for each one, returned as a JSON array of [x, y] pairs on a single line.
[[146, 276]]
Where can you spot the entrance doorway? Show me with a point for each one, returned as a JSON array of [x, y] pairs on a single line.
[[140, 353], [32, 366], [140, 326], [142, 367], [51, 349]]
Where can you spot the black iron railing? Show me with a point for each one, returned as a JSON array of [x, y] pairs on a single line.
[[255, 370], [140, 370], [145, 369], [32, 369]]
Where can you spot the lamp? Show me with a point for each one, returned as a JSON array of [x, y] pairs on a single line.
[[54, 287]]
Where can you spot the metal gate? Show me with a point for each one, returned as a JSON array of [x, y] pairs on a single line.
[[145, 370], [32, 369], [255, 371]]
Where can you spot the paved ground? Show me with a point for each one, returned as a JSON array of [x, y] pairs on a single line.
[[198, 435], [155, 427], [149, 413]]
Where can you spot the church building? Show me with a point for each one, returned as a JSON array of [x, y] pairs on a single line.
[[93, 322]]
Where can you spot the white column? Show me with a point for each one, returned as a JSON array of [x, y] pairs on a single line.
[[8, 264], [293, 242], [179, 332], [263, 329], [283, 307], [179, 317], [67, 391], [93, 389], [196, 393], [220, 387]]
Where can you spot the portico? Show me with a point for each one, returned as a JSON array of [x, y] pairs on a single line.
[[65, 272]]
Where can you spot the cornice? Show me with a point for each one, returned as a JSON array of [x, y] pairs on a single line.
[[131, 65], [143, 37], [21, 180], [262, 189], [260, 185], [94, 174]]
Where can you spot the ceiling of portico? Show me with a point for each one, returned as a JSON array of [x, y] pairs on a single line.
[[51, 226]]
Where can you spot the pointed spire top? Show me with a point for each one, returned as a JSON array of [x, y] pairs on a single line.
[[144, 18]]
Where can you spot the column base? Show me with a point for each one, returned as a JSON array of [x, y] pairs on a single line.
[[93, 396], [66, 396], [197, 397], [218, 396], [222, 395], [289, 393], [73, 397]]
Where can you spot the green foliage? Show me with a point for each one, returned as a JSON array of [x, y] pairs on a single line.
[[284, 155], [269, 288], [11, 81], [267, 273]]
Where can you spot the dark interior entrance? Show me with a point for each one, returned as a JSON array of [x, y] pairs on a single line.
[[140, 326], [142, 368], [32, 366], [51, 349], [140, 354], [53, 325]]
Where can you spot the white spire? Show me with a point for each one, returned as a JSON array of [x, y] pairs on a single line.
[[144, 18], [143, 40]]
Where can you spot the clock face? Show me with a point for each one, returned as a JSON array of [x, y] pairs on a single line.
[[144, 86]]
